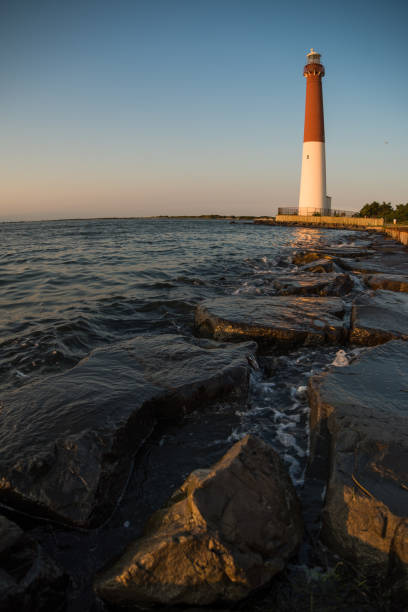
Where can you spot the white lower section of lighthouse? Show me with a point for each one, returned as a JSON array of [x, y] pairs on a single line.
[[313, 198]]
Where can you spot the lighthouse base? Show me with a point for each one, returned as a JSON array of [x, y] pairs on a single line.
[[312, 198]]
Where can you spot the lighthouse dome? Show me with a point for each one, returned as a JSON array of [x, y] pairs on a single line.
[[313, 57]]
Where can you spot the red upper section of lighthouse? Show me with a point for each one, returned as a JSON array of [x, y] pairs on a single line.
[[314, 119], [313, 69]]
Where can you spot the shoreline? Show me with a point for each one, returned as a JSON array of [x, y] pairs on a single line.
[[322, 278]]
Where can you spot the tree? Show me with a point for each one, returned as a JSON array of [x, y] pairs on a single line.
[[401, 213], [386, 211]]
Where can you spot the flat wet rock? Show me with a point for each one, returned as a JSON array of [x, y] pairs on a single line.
[[379, 317], [387, 245], [313, 284], [389, 282], [66, 442], [274, 321], [228, 530], [392, 263], [362, 409]]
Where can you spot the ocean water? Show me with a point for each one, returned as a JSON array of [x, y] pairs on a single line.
[[70, 286]]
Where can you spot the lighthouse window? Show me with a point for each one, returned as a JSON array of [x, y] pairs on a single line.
[[307, 157]]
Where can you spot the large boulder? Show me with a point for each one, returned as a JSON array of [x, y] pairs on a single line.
[[66, 442], [302, 258], [225, 532], [382, 243], [277, 320], [362, 410], [392, 263], [379, 317], [389, 282], [313, 284], [29, 578], [320, 266]]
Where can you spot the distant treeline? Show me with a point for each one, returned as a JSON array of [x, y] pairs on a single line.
[[385, 210], [205, 217]]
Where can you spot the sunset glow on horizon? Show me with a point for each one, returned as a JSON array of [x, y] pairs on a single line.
[[141, 108]]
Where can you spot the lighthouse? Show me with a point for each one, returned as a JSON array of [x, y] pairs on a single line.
[[312, 197]]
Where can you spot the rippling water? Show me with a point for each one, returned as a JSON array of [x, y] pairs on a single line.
[[68, 286]]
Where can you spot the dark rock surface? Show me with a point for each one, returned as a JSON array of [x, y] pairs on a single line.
[[66, 442], [225, 532], [331, 253], [363, 411], [313, 284], [382, 243], [379, 317], [305, 257], [29, 579], [347, 251], [381, 263], [389, 282], [319, 266], [276, 320]]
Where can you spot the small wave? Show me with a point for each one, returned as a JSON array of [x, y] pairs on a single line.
[[198, 282]]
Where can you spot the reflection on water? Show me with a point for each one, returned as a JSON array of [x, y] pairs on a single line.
[[69, 286]]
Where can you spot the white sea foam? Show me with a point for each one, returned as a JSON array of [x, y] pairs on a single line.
[[247, 289], [236, 435], [285, 438], [358, 283], [340, 360], [301, 392], [21, 374], [287, 425], [293, 407], [295, 471]]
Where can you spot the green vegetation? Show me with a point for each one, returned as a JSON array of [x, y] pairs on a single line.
[[386, 211]]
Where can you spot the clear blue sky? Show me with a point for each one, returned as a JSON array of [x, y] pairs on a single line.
[[121, 108]]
